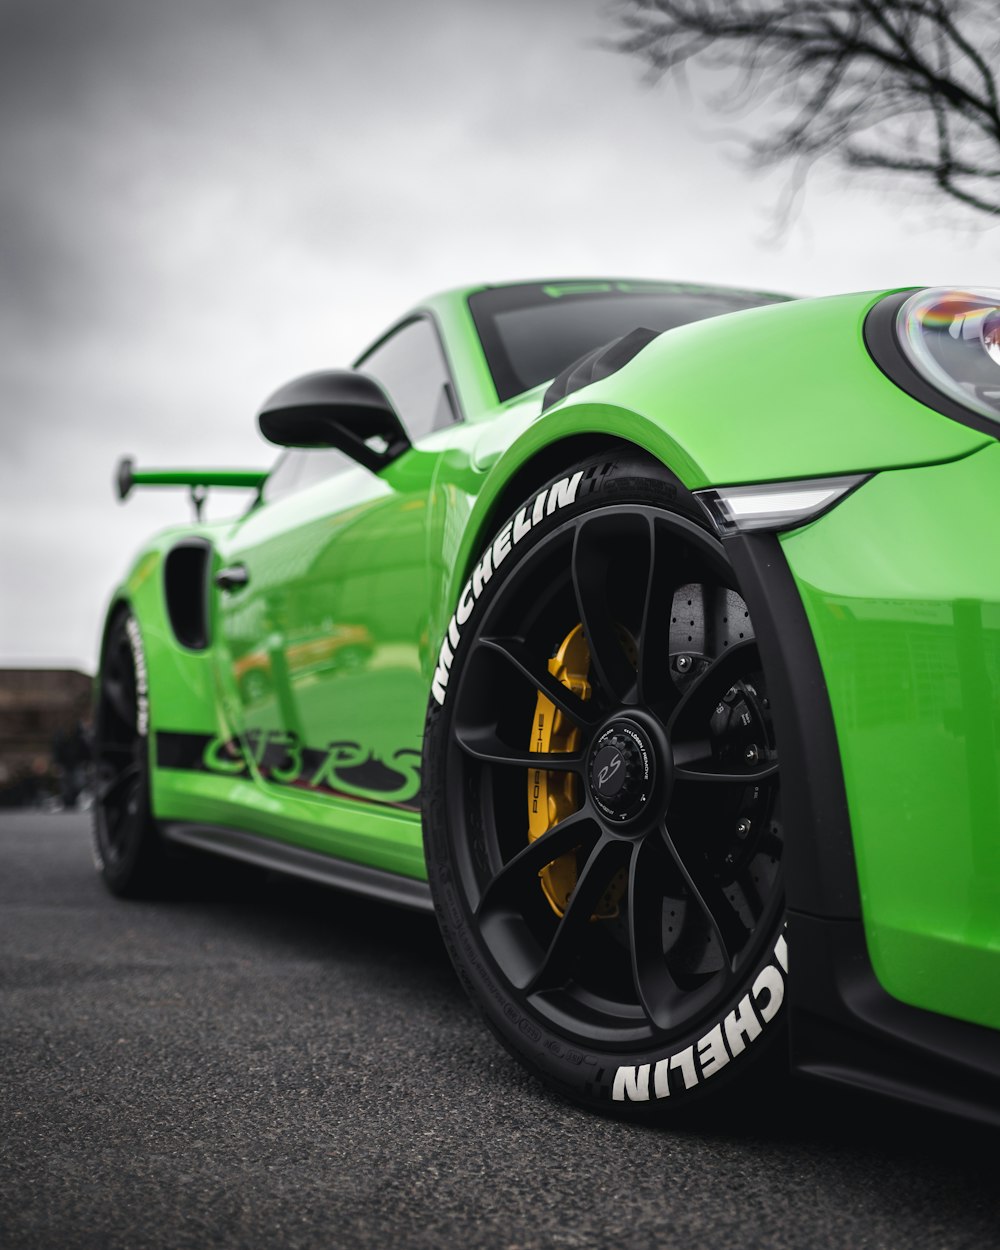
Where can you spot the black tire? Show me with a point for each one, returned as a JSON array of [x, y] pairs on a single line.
[[128, 850], [631, 954]]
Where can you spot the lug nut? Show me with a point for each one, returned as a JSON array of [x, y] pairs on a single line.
[[751, 754], [742, 828], [683, 663]]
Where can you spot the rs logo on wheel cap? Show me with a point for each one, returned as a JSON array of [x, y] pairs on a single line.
[[622, 771], [609, 771]]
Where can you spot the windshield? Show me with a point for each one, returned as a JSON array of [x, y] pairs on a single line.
[[532, 331]]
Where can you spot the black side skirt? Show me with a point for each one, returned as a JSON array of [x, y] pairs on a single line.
[[388, 887]]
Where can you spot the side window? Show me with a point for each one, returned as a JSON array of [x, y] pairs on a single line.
[[411, 368], [299, 467]]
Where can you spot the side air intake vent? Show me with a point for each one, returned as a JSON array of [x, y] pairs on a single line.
[[598, 364], [186, 572]]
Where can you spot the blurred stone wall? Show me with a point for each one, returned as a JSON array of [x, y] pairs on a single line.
[[37, 705]]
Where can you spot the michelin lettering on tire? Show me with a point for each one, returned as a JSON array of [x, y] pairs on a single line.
[[141, 677], [559, 495], [723, 1043]]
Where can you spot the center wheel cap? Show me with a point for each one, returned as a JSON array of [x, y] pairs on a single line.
[[622, 771]]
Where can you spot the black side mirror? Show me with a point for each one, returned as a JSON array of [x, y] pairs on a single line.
[[336, 408]]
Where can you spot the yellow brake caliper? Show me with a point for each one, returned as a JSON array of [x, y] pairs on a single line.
[[552, 796]]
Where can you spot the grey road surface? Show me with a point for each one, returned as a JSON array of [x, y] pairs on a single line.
[[269, 1064]]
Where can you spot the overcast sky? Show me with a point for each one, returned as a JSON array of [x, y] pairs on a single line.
[[201, 198]]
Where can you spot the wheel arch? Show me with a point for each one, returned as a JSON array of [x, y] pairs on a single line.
[[823, 877], [546, 464], [552, 443]]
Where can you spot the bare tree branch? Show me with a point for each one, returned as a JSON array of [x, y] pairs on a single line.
[[905, 87]]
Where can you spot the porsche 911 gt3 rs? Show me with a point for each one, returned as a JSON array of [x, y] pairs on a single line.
[[649, 633]]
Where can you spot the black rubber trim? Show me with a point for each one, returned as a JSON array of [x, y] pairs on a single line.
[[884, 348], [600, 363], [846, 1028], [387, 887], [820, 869]]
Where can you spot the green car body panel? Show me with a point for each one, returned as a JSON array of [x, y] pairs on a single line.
[[905, 626], [906, 616]]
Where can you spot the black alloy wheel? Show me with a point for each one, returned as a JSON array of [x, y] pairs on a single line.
[[127, 846], [633, 918]]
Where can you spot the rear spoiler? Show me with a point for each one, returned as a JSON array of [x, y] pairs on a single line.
[[197, 480]]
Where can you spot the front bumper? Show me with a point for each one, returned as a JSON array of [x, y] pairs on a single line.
[[844, 1027], [901, 587], [879, 625]]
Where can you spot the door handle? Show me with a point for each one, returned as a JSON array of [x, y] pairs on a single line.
[[235, 577]]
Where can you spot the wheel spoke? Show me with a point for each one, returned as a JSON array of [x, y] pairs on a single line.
[[521, 872], [657, 990], [656, 687], [557, 964], [483, 744], [114, 748], [119, 782], [591, 571], [519, 657], [122, 706], [692, 772], [710, 898], [704, 693]]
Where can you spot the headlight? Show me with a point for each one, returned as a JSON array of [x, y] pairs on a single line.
[[953, 339], [942, 346]]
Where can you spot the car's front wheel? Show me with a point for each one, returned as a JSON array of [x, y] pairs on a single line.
[[602, 818]]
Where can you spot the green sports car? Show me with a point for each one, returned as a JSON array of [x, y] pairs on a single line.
[[650, 634]]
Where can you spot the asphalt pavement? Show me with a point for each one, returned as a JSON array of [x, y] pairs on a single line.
[[271, 1064]]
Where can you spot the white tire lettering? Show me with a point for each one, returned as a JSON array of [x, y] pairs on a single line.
[[141, 676], [685, 1061], [502, 545], [482, 573], [768, 982], [720, 1045], [661, 1079], [712, 1053], [559, 495], [632, 1084], [563, 492], [465, 604], [742, 1026]]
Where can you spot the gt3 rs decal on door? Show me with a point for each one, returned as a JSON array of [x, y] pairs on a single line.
[[559, 495], [341, 769], [725, 1041]]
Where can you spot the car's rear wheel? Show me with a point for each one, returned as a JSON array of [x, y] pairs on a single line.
[[602, 827], [127, 846]]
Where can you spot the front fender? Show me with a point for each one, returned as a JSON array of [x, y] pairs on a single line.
[[776, 393]]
